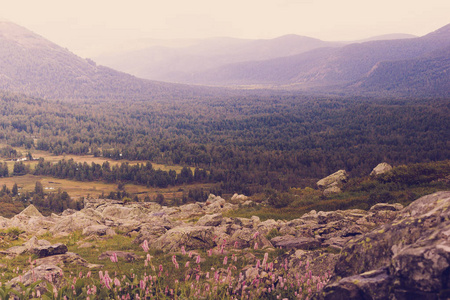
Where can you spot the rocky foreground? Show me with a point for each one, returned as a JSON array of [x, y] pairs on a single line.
[[388, 252]]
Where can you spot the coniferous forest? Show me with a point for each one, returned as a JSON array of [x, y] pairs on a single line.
[[244, 143]]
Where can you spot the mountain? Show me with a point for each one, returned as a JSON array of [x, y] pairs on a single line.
[[177, 64], [384, 37], [428, 74], [35, 66], [331, 66]]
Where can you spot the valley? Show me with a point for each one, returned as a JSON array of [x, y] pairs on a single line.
[[251, 165]]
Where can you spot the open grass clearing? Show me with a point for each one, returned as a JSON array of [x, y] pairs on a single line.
[[89, 159], [77, 189]]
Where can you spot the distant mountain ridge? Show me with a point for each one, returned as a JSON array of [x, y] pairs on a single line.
[[178, 63], [35, 66], [344, 65]]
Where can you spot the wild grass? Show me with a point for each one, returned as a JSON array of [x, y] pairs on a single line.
[[219, 273]]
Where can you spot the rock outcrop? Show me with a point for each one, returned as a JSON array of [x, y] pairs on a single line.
[[387, 252], [408, 258]]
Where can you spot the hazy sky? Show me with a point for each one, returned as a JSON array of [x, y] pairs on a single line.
[[88, 26]]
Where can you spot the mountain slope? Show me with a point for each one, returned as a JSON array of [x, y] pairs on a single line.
[[33, 65], [325, 66], [176, 64], [426, 75]]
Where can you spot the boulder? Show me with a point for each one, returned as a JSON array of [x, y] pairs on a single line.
[[66, 259], [381, 169], [50, 250], [335, 179], [114, 212], [30, 211], [406, 259], [304, 243], [42, 272], [41, 248], [239, 198], [77, 221], [370, 285], [386, 206], [98, 230], [198, 237], [150, 232], [210, 220], [247, 238], [267, 226]]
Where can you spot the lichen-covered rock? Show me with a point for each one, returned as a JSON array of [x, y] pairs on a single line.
[[381, 169], [239, 198], [246, 238], [150, 233], [99, 230], [304, 243], [77, 221], [386, 206], [66, 259], [30, 211], [40, 273], [335, 179], [50, 250], [210, 220], [414, 248], [191, 237], [370, 285]]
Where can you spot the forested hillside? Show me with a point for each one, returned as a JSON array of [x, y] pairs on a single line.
[[245, 144], [35, 66]]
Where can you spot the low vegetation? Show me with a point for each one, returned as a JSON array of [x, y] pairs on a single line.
[[209, 274]]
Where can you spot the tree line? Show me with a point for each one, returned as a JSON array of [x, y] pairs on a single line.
[[245, 144]]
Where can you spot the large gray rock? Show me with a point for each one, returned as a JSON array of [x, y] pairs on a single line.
[[50, 250], [210, 220], [66, 259], [98, 230], [381, 169], [414, 249], [40, 273], [77, 221], [370, 285], [246, 238], [335, 179], [198, 237]]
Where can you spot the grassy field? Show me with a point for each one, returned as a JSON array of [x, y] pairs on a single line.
[[82, 158], [78, 189]]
